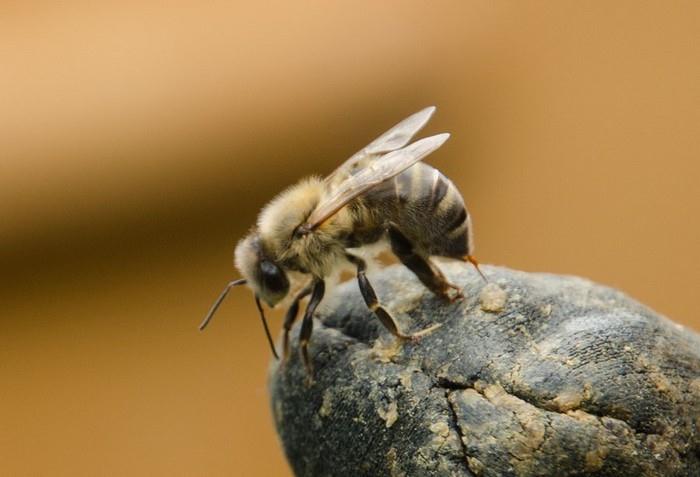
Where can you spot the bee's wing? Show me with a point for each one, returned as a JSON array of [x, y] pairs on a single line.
[[393, 139], [390, 165]]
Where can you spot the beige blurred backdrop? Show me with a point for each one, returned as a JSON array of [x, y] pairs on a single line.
[[138, 140]]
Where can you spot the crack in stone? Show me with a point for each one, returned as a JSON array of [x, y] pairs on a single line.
[[547, 428], [447, 384], [460, 433], [454, 386]]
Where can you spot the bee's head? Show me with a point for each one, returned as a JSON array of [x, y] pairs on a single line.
[[267, 279]]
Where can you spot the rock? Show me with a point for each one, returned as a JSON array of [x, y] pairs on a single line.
[[537, 375]]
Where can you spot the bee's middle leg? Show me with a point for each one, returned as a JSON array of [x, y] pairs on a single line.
[[422, 267], [372, 301]]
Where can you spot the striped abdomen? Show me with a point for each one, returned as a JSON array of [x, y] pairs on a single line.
[[429, 210]]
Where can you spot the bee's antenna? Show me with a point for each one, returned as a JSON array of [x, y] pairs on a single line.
[[267, 330], [473, 261], [218, 301]]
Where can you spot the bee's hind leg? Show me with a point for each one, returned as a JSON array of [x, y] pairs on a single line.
[[373, 304], [319, 288], [422, 267]]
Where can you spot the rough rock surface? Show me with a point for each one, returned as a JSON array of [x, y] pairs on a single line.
[[532, 374]]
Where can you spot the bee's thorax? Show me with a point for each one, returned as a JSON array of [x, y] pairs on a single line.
[[315, 252]]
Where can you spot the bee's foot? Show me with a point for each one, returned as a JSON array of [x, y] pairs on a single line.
[[420, 334], [308, 367], [451, 293], [309, 381], [404, 338], [457, 296], [386, 352]]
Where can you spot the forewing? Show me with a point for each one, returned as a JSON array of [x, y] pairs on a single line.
[[388, 166], [393, 139]]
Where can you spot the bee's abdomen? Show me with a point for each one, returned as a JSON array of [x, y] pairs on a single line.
[[430, 211]]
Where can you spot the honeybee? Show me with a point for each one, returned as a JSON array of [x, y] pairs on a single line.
[[382, 195]]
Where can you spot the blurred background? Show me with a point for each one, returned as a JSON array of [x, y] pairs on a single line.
[[138, 140]]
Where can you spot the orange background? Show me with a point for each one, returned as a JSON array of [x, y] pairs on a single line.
[[138, 140]]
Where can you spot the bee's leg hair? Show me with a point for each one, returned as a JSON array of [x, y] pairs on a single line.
[[289, 318], [371, 298], [319, 287], [422, 267]]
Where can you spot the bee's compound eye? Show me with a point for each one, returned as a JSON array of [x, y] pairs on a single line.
[[273, 278]]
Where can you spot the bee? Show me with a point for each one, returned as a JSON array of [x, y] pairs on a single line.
[[382, 195]]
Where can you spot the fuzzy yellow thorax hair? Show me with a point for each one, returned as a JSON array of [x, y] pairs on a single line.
[[317, 252]]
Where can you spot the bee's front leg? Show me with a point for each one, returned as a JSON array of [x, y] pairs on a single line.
[[317, 291], [289, 318]]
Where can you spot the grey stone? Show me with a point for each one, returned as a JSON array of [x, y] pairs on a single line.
[[530, 375]]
